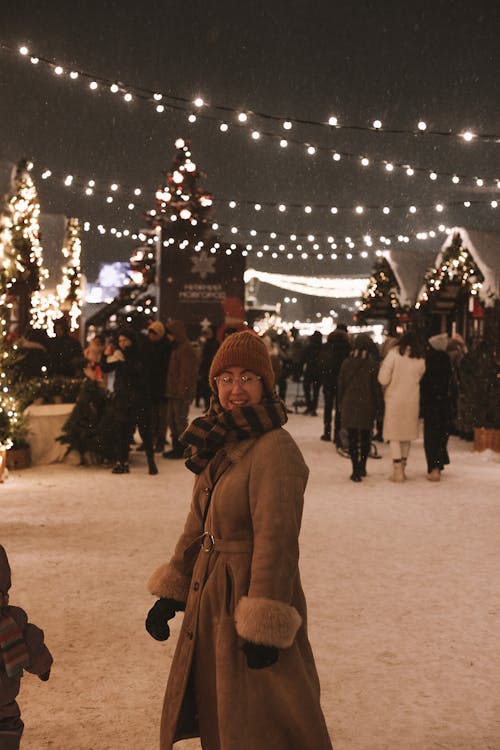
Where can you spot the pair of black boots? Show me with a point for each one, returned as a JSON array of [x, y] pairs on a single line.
[[122, 467], [358, 461]]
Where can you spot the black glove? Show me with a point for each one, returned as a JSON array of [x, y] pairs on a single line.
[[258, 656], [162, 611], [45, 676]]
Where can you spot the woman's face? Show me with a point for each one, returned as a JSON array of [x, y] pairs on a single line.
[[233, 393], [124, 342]]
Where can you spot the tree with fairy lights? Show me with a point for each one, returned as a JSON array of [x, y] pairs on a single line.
[[380, 300], [456, 267], [23, 274], [181, 202], [69, 292]]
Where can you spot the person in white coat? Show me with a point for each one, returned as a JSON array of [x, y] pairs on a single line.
[[400, 375]]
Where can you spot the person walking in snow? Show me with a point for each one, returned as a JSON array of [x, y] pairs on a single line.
[[400, 374], [332, 354], [311, 382], [359, 397], [243, 674], [158, 355], [22, 648], [436, 405], [131, 403], [182, 375]]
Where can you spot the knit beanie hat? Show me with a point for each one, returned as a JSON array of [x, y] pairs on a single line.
[[158, 327], [244, 349], [5, 581]]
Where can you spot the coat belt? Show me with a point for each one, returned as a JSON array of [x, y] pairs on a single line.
[[209, 543]]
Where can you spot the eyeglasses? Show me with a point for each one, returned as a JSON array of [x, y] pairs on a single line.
[[227, 381]]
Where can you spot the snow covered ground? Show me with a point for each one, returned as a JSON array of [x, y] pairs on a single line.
[[402, 583]]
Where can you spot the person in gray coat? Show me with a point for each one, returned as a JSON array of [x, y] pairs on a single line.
[[359, 397]]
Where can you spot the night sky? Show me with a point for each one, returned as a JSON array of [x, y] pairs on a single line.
[[434, 61]]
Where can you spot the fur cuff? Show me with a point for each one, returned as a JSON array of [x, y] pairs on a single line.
[[168, 582], [266, 621]]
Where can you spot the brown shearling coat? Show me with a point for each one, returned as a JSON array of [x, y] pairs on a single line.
[[247, 588]]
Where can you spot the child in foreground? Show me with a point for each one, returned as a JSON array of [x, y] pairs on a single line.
[[22, 648]]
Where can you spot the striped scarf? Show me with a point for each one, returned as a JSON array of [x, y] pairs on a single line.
[[205, 435], [12, 646]]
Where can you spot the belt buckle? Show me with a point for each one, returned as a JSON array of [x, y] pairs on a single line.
[[207, 542]]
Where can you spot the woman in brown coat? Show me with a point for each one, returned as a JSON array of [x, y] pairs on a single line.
[[243, 675]]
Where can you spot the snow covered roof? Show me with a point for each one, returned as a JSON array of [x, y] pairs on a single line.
[[409, 267], [484, 248]]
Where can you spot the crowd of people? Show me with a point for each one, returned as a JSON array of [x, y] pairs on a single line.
[[380, 393], [369, 392]]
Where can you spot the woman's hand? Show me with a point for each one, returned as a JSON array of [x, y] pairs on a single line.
[[158, 616]]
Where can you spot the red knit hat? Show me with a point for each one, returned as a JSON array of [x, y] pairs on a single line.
[[243, 349]]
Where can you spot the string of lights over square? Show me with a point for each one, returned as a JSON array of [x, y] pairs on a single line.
[[181, 193], [163, 100], [113, 190]]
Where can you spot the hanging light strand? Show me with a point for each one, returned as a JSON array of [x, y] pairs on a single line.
[[114, 190], [128, 90]]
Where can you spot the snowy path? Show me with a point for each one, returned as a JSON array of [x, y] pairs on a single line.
[[402, 583]]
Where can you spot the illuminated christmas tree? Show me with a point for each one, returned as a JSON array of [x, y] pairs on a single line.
[[21, 253], [69, 292], [182, 203]]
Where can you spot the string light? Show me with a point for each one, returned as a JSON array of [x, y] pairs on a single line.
[[242, 118], [75, 181], [332, 121]]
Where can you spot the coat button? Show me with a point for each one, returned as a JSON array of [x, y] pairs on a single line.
[[206, 490], [196, 586], [190, 634]]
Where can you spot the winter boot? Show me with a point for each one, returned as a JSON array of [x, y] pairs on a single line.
[[327, 435], [120, 467], [434, 475], [152, 468], [356, 469], [397, 471], [176, 451]]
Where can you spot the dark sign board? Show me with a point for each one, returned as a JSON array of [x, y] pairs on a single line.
[[195, 284]]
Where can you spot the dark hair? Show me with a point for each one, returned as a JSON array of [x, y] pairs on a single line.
[[412, 340]]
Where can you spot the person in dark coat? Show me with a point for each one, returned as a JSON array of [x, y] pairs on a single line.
[[436, 406], [131, 403], [359, 398], [208, 349], [243, 676], [158, 353], [333, 353], [182, 375], [311, 382], [22, 648], [66, 353]]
